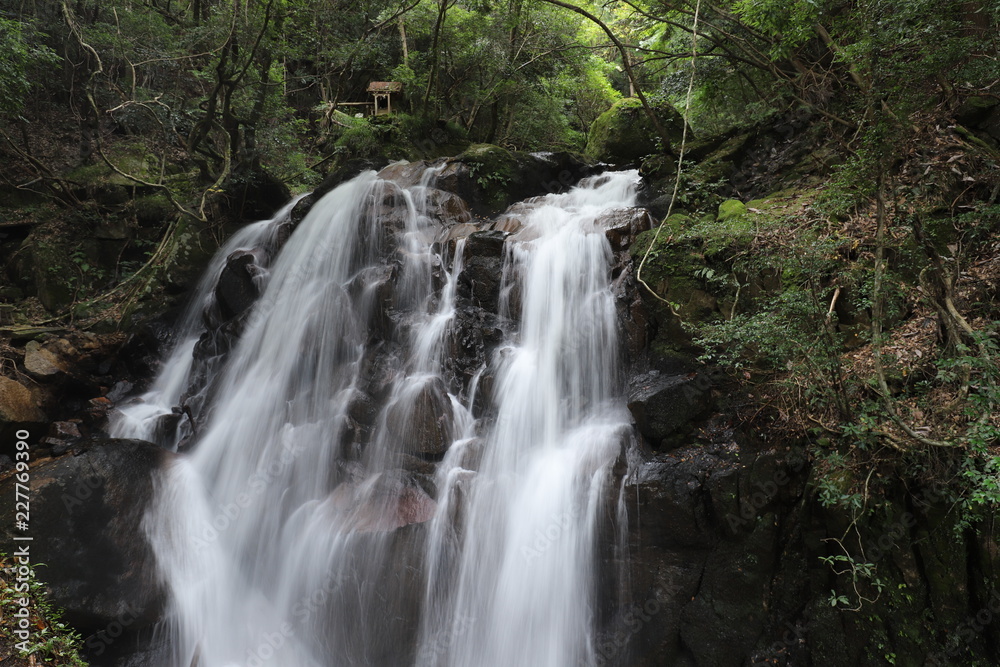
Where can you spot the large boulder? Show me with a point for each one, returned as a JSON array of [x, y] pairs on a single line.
[[86, 524], [490, 178], [238, 289], [705, 557], [664, 405], [624, 133], [18, 409]]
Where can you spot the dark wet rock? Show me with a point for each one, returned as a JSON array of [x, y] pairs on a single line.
[[254, 194], [120, 390], [635, 322], [382, 596], [298, 214], [375, 286], [663, 405], [483, 272], [346, 172], [97, 409], [704, 549], [490, 178], [406, 174], [475, 335], [339, 176], [387, 205], [446, 208], [452, 235], [86, 516], [420, 419], [622, 226], [147, 345], [363, 409], [219, 340], [237, 290], [61, 436]]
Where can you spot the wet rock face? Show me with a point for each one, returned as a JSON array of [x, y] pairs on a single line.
[[237, 289], [704, 552], [86, 516], [483, 273], [664, 404], [622, 226], [490, 178], [420, 418]]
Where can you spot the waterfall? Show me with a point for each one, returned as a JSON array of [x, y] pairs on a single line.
[[344, 502]]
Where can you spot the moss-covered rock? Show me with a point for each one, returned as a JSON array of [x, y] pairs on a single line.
[[153, 210], [624, 134], [676, 224], [492, 168], [731, 208], [47, 270], [672, 271]]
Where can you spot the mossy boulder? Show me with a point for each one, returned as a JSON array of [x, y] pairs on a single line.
[[44, 266], [624, 134], [676, 224], [106, 186], [731, 208], [492, 168], [153, 210]]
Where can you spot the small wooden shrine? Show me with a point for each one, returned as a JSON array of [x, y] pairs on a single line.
[[382, 95]]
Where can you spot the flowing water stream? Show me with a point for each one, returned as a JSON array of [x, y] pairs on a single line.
[[286, 539]]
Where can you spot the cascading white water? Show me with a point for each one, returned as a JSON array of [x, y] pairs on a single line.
[[140, 418], [279, 546], [515, 585]]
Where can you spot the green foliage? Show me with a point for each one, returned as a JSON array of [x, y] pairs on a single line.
[[361, 139], [51, 639], [789, 24], [23, 63]]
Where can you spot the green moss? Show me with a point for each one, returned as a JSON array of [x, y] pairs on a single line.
[[732, 208], [674, 271], [131, 157], [153, 210], [492, 168], [624, 133], [676, 224], [51, 271]]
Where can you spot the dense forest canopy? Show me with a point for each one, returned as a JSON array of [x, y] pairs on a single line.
[[227, 86]]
